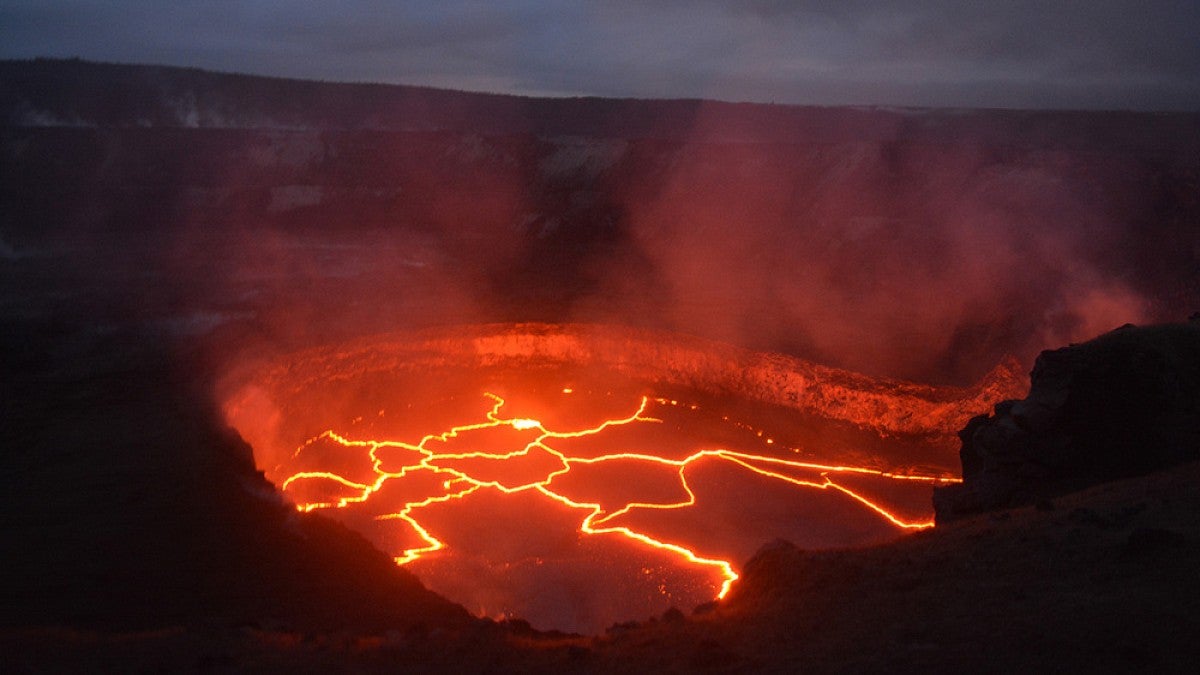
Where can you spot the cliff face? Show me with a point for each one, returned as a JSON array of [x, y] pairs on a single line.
[[1121, 405], [919, 244]]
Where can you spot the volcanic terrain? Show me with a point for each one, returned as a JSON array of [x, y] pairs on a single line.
[[202, 274]]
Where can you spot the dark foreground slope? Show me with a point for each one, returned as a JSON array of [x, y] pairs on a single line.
[[1104, 580], [128, 505]]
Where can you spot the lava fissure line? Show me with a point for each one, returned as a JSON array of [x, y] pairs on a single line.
[[405, 514], [594, 522], [587, 527]]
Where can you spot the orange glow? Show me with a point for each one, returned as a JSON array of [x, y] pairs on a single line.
[[528, 461], [613, 473]]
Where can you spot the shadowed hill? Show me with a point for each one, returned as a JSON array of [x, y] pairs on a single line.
[[127, 505], [81, 93]]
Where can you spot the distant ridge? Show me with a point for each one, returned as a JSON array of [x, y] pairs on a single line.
[[72, 92]]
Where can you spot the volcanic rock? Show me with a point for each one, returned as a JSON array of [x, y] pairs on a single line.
[[1121, 405]]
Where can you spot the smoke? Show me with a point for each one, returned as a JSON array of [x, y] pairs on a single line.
[[911, 259], [920, 244], [902, 257], [325, 239], [892, 244]]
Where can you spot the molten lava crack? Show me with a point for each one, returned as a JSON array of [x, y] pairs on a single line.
[[613, 473], [522, 457]]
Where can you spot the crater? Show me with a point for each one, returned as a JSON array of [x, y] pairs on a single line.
[[576, 476]]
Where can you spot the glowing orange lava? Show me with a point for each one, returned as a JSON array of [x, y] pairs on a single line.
[[612, 474], [523, 455]]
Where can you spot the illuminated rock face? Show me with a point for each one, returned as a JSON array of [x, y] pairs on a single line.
[[1123, 404], [576, 476]]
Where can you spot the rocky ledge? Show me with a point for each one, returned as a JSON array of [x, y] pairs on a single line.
[[1121, 405]]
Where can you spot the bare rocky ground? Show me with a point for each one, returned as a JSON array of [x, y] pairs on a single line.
[[1105, 582], [1100, 580]]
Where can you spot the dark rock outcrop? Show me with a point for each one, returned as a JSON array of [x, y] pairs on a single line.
[[1121, 405]]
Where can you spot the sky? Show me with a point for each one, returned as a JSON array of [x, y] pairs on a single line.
[[1106, 54]]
